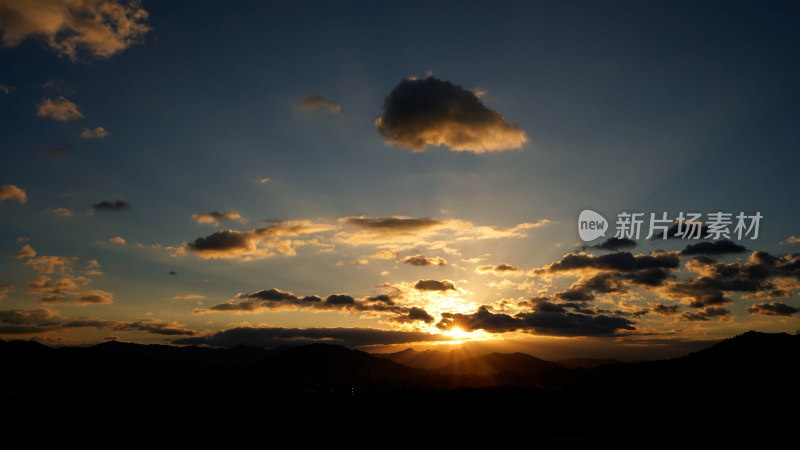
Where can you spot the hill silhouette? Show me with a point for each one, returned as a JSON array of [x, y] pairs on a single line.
[[742, 383]]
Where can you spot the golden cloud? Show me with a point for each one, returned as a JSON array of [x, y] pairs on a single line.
[[101, 27]]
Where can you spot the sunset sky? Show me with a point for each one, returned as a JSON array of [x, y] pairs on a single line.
[[384, 175]]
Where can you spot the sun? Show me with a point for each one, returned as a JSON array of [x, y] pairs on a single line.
[[457, 333]]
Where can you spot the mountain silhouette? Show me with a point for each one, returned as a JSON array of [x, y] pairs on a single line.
[[495, 363], [742, 384]]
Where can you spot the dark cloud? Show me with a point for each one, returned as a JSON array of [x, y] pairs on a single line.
[[722, 247], [665, 310], [394, 223], [575, 295], [421, 112], [257, 243], [414, 315], [548, 321], [44, 320], [419, 260], [757, 275], [276, 299], [706, 314], [172, 272], [772, 309], [434, 285], [116, 205], [622, 261], [498, 270], [613, 244], [274, 337], [153, 326]]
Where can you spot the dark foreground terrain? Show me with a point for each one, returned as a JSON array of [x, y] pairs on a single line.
[[743, 387]]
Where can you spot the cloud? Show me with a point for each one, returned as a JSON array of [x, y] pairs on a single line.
[[5, 289], [274, 337], [59, 212], [434, 285], [791, 240], [5, 89], [319, 102], [706, 314], [546, 321], [116, 205], [613, 244], [50, 264], [621, 261], [100, 27], [93, 267], [722, 247], [95, 297], [215, 217], [11, 192], [500, 270], [429, 111], [665, 310], [276, 299], [254, 244], [414, 315], [66, 285], [33, 321], [117, 240], [153, 326], [385, 254], [403, 231], [59, 109], [419, 260], [97, 133], [18, 321], [772, 309], [262, 181], [762, 272], [25, 252], [188, 297]]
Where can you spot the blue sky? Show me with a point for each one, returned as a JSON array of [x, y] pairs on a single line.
[[649, 107]]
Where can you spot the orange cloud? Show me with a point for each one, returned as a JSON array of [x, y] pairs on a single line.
[[101, 27], [11, 192], [59, 109]]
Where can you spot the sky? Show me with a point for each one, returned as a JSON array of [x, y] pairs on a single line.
[[388, 175]]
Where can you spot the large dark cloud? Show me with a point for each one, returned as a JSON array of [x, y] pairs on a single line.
[[421, 112], [116, 205], [772, 309], [717, 279], [276, 299], [722, 247], [257, 243], [543, 321], [621, 261], [274, 337]]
